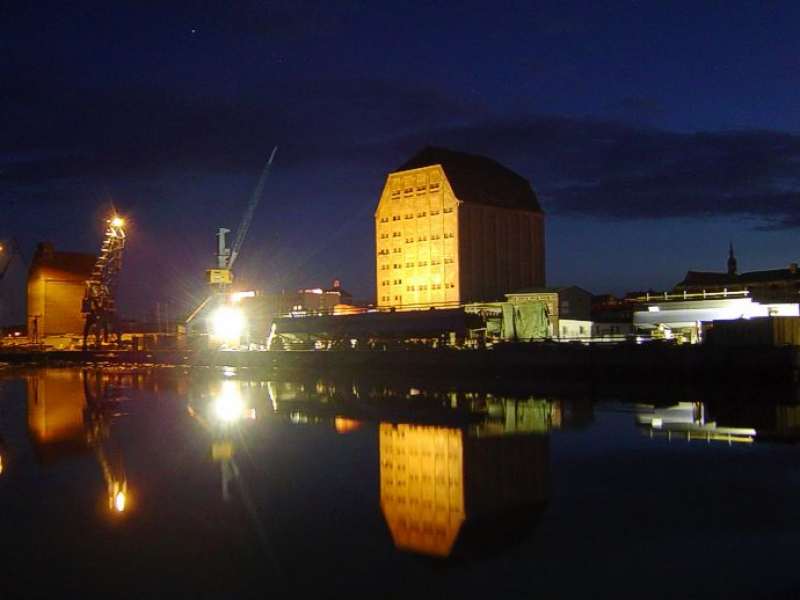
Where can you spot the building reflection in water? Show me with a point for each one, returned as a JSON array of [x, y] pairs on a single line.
[[459, 490], [71, 412], [721, 421]]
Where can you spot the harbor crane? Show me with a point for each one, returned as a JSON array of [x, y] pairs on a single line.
[[220, 278], [99, 306], [11, 250]]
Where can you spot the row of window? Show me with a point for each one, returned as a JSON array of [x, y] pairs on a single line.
[[420, 190], [434, 286], [421, 238], [419, 215], [422, 263], [395, 282], [387, 298]]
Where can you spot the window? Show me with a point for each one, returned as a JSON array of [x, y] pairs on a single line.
[[384, 236], [410, 288], [421, 190], [449, 235], [422, 238], [434, 212], [435, 236], [395, 250], [409, 240], [436, 261], [381, 252], [409, 216], [396, 193], [397, 281], [398, 298], [408, 191], [449, 209], [397, 266], [384, 219], [448, 261], [421, 214], [409, 264], [396, 218], [436, 286], [397, 234], [434, 187], [449, 285], [423, 263], [385, 282]]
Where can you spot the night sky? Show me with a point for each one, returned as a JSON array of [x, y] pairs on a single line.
[[653, 132]]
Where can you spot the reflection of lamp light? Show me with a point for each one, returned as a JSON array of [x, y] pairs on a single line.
[[1, 464], [117, 495], [119, 501], [227, 324], [228, 406]]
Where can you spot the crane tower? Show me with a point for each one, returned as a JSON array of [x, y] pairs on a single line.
[[98, 301]]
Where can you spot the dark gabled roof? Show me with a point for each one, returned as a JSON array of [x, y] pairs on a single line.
[[68, 262], [478, 179], [707, 278], [710, 279]]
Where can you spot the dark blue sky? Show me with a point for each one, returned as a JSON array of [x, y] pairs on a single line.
[[653, 132]]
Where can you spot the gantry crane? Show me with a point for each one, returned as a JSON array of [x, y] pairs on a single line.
[[99, 305], [220, 278]]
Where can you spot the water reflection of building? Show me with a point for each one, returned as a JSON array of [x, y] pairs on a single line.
[[56, 404], [688, 421], [71, 411], [444, 488]]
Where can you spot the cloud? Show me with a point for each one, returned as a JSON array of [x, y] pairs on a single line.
[[580, 166], [611, 170]]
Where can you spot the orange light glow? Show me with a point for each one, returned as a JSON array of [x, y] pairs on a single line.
[[344, 425]]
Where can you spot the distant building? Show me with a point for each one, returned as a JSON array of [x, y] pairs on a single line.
[[452, 228], [772, 285], [319, 300], [56, 285]]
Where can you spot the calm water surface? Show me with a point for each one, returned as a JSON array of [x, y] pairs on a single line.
[[166, 483]]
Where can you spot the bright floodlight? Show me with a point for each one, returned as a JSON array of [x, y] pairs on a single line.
[[118, 221], [227, 324]]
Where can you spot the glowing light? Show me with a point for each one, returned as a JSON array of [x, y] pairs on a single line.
[[117, 222], [227, 324], [228, 406], [237, 296], [654, 309], [1, 464], [119, 501]]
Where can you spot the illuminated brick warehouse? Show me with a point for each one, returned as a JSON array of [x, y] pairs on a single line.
[[453, 227]]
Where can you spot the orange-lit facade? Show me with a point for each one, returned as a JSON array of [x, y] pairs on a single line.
[[56, 286], [433, 480], [452, 228]]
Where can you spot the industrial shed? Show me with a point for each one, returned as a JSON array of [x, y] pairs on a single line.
[[56, 285]]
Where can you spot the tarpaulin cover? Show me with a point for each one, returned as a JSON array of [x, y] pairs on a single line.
[[525, 321]]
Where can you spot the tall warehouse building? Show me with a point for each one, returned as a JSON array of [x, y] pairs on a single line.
[[56, 285], [452, 228]]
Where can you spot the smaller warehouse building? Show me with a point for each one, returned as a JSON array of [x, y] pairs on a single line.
[[56, 286]]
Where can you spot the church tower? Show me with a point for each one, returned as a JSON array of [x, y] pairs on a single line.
[[732, 268]]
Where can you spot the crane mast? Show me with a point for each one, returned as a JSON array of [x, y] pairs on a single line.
[[99, 307], [222, 276]]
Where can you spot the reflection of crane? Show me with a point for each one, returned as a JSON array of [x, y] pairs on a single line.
[[98, 301], [101, 400]]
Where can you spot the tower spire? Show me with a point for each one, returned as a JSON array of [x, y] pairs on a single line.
[[732, 267]]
